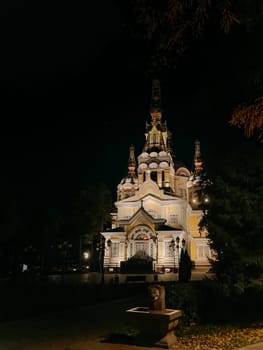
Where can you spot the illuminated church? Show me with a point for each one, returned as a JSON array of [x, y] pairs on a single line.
[[157, 207]]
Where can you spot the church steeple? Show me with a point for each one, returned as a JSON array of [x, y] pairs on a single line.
[[129, 184], [156, 160], [131, 162], [198, 164], [156, 132], [155, 110], [198, 173]]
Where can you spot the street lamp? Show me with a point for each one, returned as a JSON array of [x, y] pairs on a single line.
[[174, 245], [177, 248], [109, 243], [101, 248], [85, 257]]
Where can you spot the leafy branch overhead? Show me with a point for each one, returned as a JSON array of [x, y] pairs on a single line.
[[249, 118], [169, 26], [171, 19], [164, 30]]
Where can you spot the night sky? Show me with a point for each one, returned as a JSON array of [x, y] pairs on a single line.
[[72, 103]]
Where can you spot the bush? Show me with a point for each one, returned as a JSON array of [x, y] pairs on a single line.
[[184, 296], [206, 301]]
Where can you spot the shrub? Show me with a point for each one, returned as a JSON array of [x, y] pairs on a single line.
[[184, 296]]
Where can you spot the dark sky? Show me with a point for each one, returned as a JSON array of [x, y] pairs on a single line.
[[72, 104]]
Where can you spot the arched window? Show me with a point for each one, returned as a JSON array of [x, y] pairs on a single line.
[[154, 176]]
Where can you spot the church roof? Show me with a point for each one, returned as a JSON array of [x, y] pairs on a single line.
[[117, 229], [169, 228]]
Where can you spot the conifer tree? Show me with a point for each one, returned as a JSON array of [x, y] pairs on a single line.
[[234, 220]]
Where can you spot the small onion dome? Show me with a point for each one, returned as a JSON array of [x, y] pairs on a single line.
[[129, 179]]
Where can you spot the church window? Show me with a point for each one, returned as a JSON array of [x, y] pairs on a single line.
[[142, 236], [154, 175], [203, 251], [141, 247], [174, 219], [168, 251], [151, 249], [131, 248], [184, 194], [115, 249]]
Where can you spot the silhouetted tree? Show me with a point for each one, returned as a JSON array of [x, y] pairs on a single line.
[[169, 27], [92, 207], [91, 212], [163, 31], [185, 266], [234, 219]]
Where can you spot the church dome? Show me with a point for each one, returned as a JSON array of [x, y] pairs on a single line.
[[129, 179]]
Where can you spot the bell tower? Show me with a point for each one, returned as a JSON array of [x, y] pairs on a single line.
[[156, 161], [129, 184]]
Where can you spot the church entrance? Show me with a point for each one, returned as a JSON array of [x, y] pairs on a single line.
[[141, 247], [140, 251], [141, 242]]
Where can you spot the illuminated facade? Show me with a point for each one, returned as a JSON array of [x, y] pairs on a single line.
[[157, 207]]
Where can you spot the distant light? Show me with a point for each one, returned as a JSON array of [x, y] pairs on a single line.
[[85, 255], [24, 268]]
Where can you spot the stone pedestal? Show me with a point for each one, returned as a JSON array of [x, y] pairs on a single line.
[[158, 325]]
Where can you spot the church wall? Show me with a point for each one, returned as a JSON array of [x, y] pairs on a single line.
[[125, 213], [153, 209], [193, 223], [172, 214]]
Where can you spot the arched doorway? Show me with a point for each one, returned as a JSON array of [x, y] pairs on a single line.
[[141, 242]]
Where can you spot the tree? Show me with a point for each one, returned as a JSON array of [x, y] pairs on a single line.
[[185, 266], [91, 209], [91, 212], [249, 117], [168, 28], [234, 220], [165, 30]]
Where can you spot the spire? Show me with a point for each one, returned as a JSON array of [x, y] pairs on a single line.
[[131, 162], [156, 134], [129, 184], [156, 111], [199, 172], [198, 164]]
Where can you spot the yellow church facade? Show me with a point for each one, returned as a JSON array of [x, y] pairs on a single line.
[[157, 207]]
